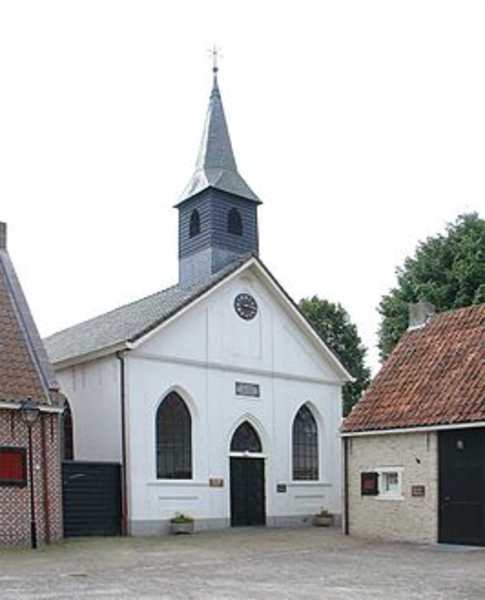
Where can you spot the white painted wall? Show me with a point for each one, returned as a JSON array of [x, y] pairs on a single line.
[[201, 354], [93, 391]]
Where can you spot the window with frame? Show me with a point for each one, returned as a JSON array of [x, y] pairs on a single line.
[[245, 439], [13, 466], [390, 483], [194, 224], [67, 433], [234, 222], [174, 439], [305, 446]]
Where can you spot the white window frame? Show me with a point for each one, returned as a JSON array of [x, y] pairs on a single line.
[[386, 493]]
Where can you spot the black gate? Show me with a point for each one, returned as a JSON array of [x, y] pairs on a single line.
[[91, 498], [247, 491], [462, 487]]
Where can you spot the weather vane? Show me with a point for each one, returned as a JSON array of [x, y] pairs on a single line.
[[215, 54]]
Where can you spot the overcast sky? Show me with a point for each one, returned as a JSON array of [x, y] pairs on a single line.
[[360, 124]]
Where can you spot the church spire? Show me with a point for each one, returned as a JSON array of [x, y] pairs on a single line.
[[216, 166]]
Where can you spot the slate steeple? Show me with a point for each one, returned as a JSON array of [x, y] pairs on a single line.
[[217, 210]]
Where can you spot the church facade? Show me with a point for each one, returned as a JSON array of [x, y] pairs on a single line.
[[215, 395]]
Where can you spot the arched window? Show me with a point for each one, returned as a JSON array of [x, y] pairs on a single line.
[[174, 439], [305, 445], [194, 225], [67, 433], [234, 222], [245, 439]]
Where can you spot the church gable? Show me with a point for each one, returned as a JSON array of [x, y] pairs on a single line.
[[245, 322]]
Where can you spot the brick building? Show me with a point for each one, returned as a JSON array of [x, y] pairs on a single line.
[[415, 443], [30, 408]]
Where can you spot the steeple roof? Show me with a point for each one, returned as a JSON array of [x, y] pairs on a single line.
[[216, 165]]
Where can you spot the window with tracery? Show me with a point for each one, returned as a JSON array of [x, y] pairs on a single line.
[[245, 439], [174, 439], [305, 445]]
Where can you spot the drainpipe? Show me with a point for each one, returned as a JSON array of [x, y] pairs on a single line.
[[346, 486], [124, 506]]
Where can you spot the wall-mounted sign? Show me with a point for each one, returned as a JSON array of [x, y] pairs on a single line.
[[216, 482], [244, 388], [281, 488], [418, 491], [369, 483]]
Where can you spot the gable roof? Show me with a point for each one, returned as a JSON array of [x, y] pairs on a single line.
[[128, 324], [25, 370], [435, 376]]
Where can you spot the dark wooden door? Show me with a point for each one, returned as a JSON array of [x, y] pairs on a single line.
[[462, 486], [247, 492]]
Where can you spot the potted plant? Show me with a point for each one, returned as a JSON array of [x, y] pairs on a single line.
[[182, 523], [323, 518]]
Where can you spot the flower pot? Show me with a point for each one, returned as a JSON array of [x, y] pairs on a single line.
[[322, 520], [182, 527]]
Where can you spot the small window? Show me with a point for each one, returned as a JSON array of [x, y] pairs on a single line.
[[390, 483], [67, 433], [194, 226], [245, 439], [13, 467], [234, 222]]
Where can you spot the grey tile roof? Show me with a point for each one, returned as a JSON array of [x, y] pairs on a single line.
[[216, 165], [130, 322]]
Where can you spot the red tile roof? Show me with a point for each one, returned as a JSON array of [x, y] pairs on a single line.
[[435, 376], [24, 368]]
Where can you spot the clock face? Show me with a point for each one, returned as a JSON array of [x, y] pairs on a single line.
[[245, 306]]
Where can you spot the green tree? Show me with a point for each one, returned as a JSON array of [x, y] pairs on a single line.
[[447, 270], [333, 325]]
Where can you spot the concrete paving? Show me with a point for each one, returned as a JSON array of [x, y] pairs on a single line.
[[243, 564]]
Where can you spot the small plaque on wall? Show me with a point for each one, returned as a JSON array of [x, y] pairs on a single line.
[[250, 390], [281, 488], [418, 491], [216, 482]]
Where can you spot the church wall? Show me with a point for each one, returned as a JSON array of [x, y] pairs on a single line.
[[94, 396], [201, 356]]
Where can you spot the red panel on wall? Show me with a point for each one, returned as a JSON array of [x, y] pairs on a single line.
[[12, 466]]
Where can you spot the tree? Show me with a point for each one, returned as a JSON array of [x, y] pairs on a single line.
[[447, 270], [333, 325]]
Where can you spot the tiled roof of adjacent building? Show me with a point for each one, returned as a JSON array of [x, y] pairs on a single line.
[[435, 376], [25, 370], [130, 322]]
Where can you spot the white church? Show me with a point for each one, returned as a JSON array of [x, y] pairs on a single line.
[[215, 395]]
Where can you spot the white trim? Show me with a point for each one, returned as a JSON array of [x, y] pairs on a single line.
[[42, 407], [387, 495], [416, 429], [247, 454]]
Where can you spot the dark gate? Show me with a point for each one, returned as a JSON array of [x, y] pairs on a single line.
[[462, 486], [91, 498], [247, 492]]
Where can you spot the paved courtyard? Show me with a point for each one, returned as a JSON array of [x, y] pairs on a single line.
[[243, 563]]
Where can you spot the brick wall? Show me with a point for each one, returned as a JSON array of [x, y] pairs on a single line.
[[15, 501], [410, 518]]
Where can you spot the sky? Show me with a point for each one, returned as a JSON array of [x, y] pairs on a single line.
[[360, 124]]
